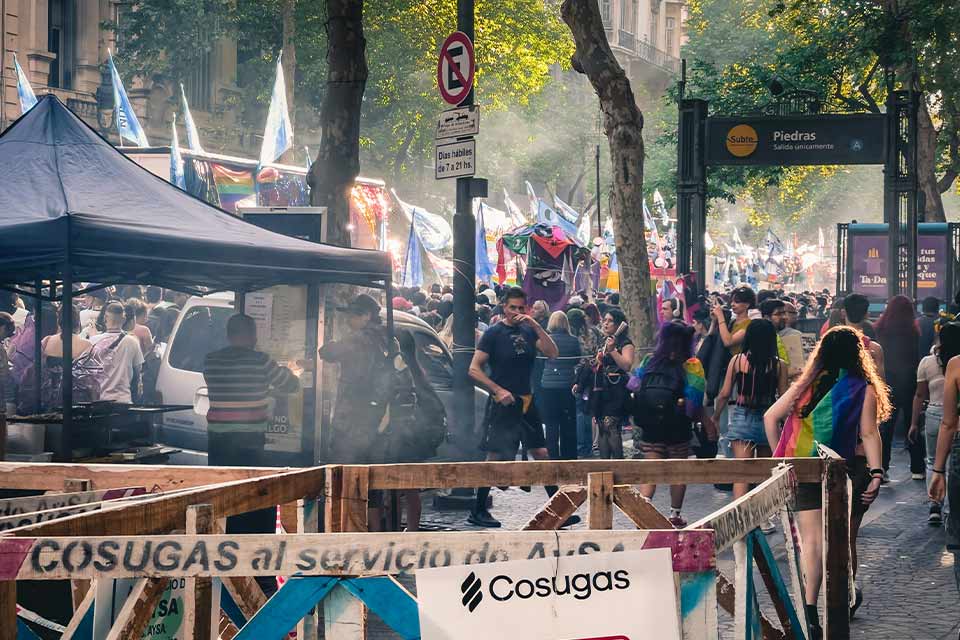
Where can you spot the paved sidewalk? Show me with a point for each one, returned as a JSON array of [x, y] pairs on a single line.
[[905, 572]]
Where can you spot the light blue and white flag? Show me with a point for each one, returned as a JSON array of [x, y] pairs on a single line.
[[127, 124], [193, 137], [309, 162], [24, 90], [434, 232], [550, 216], [483, 269], [278, 134], [413, 261], [566, 211], [176, 160]]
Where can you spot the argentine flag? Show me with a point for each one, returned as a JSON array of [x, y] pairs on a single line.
[[193, 138], [127, 124], [176, 161], [24, 90], [278, 134]]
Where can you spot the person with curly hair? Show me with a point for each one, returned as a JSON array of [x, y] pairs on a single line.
[[838, 401]]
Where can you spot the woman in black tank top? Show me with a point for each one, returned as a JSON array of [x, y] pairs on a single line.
[[755, 378]]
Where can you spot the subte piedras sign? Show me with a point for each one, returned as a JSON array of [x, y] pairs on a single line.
[[810, 140]]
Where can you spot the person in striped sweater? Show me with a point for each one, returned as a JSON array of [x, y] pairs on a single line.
[[240, 380]]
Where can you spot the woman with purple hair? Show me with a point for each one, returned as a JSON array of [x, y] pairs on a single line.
[[668, 398]]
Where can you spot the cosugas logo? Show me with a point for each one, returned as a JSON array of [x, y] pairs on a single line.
[[742, 140], [580, 586], [471, 588], [504, 588]]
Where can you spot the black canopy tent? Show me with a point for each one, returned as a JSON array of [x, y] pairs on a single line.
[[73, 209]]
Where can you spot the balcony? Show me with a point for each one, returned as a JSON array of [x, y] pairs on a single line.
[[645, 51], [627, 41], [658, 58]]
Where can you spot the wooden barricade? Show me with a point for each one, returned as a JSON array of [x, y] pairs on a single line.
[[346, 571]]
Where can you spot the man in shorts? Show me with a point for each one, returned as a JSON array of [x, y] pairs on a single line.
[[509, 349]]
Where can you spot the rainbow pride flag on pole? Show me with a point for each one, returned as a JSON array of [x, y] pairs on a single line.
[[232, 185], [833, 422]]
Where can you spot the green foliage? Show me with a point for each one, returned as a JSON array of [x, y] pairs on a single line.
[[736, 47], [518, 42]]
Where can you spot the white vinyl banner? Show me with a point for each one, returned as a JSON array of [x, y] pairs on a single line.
[[630, 595]]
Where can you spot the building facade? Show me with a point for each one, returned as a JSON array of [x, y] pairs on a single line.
[[62, 47], [646, 36]]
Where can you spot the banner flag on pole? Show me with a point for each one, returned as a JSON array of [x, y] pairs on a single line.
[[413, 262], [534, 200], [484, 270], [309, 162], [176, 161], [661, 207], [278, 134], [565, 211], [707, 241], [516, 213], [127, 124], [24, 91], [775, 248], [434, 232], [193, 137]]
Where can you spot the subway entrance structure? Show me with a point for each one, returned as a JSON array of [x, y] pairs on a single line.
[[794, 130]]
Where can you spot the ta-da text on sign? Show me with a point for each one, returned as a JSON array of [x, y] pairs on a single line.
[[456, 159], [628, 594]]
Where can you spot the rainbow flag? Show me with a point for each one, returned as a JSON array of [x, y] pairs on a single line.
[[232, 185], [834, 422]]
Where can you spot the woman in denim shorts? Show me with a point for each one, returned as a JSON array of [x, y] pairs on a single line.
[[755, 379]]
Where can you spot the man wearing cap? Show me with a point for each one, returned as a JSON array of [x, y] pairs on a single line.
[[361, 355]]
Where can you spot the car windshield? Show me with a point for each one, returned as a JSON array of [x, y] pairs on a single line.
[[434, 360], [202, 331]]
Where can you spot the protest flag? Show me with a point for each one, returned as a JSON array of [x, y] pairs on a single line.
[[278, 133], [176, 160], [127, 124], [24, 90], [193, 137]]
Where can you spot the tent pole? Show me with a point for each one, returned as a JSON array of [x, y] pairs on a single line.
[[37, 346], [388, 288], [64, 451]]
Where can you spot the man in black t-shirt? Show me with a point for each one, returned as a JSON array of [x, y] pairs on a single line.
[[509, 348]]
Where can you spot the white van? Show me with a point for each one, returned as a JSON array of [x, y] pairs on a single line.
[[201, 329]]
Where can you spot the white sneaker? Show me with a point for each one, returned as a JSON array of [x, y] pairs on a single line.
[[769, 526], [918, 476]]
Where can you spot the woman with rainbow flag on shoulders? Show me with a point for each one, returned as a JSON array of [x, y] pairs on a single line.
[[839, 401]]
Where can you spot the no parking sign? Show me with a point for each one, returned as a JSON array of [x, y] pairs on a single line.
[[455, 68]]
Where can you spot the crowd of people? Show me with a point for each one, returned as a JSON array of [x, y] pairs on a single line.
[[116, 337], [741, 374]]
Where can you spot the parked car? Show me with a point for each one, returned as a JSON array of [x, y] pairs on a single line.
[[202, 328]]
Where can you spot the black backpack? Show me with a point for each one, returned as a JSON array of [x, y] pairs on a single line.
[[658, 400]]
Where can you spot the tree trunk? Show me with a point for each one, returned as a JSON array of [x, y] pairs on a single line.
[[623, 126], [338, 160], [927, 165]]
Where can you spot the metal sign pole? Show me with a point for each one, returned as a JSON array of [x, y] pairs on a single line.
[[464, 274]]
